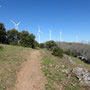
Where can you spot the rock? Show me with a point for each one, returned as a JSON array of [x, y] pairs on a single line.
[[83, 75], [62, 66], [66, 71], [51, 65], [69, 59]]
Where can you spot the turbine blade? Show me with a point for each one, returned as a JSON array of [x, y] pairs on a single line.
[[13, 22], [18, 23]]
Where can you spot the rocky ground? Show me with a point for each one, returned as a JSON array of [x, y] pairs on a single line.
[[65, 73]]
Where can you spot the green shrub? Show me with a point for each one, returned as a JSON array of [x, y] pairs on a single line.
[[67, 52], [41, 45], [50, 44], [58, 52]]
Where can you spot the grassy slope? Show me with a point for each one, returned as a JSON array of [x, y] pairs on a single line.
[[80, 63], [12, 56], [57, 79], [10, 59]]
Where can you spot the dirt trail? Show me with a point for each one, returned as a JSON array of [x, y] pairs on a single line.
[[30, 76]]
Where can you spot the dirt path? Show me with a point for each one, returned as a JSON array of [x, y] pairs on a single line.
[[30, 76]]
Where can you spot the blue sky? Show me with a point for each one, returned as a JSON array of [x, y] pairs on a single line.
[[71, 17]]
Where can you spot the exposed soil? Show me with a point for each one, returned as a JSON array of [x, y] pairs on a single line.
[[30, 77]]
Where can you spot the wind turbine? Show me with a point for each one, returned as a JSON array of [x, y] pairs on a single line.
[[16, 25], [77, 39], [39, 33], [60, 36], [50, 32]]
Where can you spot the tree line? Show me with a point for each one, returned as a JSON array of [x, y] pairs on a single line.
[[25, 39], [14, 37]]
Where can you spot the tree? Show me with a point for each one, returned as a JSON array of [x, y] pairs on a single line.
[[23, 34], [28, 41], [2, 33], [12, 36]]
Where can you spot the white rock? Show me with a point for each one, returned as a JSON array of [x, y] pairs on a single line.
[[82, 74]]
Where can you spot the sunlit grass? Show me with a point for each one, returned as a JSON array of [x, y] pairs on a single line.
[[56, 78], [11, 58], [80, 62]]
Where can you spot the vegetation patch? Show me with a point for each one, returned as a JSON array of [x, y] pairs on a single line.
[[81, 63], [10, 60], [57, 76]]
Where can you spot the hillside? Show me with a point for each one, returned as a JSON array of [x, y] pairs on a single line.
[[59, 72], [31, 69], [83, 49]]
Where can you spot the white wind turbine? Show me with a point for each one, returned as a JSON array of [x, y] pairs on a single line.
[[60, 36], [77, 39], [39, 33], [16, 25], [50, 32]]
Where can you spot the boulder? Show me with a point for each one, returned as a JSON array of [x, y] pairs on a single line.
[[83, 75], [69, 59]]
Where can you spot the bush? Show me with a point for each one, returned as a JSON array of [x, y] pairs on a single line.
[[58, 52], [67, 52], [41, 45], [50, 44]]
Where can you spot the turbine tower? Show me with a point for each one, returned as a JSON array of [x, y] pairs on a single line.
[[39, 34], [60, 36], [16, 25], [50, 32], [77, 39]]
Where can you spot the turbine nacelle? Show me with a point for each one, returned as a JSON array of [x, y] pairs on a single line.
[[16, 25]]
